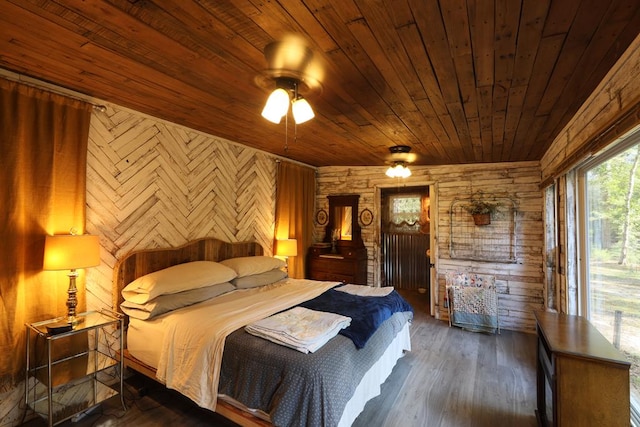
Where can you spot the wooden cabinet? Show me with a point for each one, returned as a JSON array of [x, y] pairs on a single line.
[[582, 379], [348, 266]]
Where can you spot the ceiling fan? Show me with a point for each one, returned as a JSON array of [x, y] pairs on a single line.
[[399, 157], [293, 72]]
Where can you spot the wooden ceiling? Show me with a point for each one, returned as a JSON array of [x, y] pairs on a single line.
[[459, 81]]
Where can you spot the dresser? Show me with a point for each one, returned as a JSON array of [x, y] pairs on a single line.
[[348, 266], [582, 380]]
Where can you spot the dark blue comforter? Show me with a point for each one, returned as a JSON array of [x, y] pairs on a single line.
[[366, 313]]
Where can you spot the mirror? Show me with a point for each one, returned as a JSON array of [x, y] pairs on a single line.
[[343, 220], [343, 216]]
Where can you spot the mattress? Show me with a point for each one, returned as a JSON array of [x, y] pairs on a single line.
[[145, 338]]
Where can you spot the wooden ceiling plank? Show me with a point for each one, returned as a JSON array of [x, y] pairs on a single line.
[[560, 17], [436, 112], [440, 136], [412, 72], [529, 34], [619, 26], [514, 109], [546, 57], [532, 17], [458, 47], [506, 30], [362, 66], [498, 118], [456, 25], [485, 150], [389, 51], [196, 27], [483, 35], [391, 47], [306, 22], [575, 46], [156, 95], [370, 108], [419, 58], [90, 31], [507, 19], [430, 24]]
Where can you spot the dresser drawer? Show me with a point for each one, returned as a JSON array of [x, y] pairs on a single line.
[[350, 266], [331, 277], [333, 265]]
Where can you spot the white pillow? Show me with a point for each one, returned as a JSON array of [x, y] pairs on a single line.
[[260, 279], [178, 278], [248, 265], [169, 302]]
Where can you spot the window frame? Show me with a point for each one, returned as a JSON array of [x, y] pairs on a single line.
[[622, 144]]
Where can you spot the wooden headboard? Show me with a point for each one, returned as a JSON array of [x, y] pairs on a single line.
[[139, 263]]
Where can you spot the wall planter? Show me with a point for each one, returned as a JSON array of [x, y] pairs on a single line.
[[470, 235], [481, 218], [481, 210]]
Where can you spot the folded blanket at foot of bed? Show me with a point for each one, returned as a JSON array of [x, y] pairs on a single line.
[[300, 328], [366, 313]]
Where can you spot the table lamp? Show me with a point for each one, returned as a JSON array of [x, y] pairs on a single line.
[[286, 248], [70, 252]]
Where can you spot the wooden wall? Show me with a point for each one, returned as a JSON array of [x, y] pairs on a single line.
[[520, 284], [608, 114], [155, 184]]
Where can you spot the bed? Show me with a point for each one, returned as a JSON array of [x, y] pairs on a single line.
[[257, 382]]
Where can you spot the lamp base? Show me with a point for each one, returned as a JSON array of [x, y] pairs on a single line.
[[72, 300]]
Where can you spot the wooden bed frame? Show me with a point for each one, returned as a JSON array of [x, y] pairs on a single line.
[[143, 262]]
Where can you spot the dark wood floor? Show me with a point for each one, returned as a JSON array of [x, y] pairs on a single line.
[[450, 378]]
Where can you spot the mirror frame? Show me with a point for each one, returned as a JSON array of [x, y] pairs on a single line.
[[345, 200]]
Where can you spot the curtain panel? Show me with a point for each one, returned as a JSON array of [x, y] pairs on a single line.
[[43, 141], [295, 199]]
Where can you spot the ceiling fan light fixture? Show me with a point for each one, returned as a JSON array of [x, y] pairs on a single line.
[[398, 170], [277, 105], [301, 110], [400, 156]]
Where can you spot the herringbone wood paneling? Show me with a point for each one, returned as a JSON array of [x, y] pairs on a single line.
[[153, 184]]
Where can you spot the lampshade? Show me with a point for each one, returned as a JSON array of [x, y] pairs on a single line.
[[287, 247], [69, 252], [302, 111], [277, 105], [398, 170]]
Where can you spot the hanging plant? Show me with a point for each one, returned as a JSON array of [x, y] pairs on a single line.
[[481, 210]]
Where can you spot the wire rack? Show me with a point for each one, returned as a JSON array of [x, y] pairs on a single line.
[[492, 242]]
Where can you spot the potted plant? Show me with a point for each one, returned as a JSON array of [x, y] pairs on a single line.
[[481, 211]]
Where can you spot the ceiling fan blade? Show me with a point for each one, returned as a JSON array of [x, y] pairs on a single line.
[[292, 57]]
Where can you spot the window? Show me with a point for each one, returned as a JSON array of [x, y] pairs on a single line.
[[408, 213], [610, 250]]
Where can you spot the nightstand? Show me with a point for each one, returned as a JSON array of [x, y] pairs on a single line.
[[69, 370]]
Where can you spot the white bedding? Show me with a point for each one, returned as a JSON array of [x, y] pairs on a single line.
[[146, 340], [190, 357]]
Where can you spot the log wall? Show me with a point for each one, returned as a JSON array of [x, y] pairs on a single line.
[[520, 284]]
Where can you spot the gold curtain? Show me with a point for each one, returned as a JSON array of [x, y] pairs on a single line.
[[43, 146], [295, 198]]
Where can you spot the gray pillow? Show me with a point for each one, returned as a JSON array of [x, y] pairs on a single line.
[[250, 265], [169, 302], [261, 279]]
